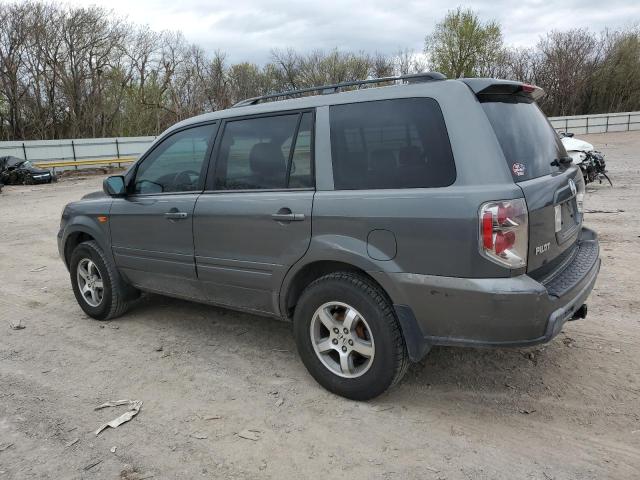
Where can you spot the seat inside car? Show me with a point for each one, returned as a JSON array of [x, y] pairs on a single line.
[[268, 165]]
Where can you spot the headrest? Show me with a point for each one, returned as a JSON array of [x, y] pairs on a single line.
[[267, 159]]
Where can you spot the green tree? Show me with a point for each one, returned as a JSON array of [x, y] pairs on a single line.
[[615, 83], [463, 46]]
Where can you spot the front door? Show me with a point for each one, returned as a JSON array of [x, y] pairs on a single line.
[[152, 227], [254, 221]]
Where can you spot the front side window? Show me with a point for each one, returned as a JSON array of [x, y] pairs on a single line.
[[266, 153], [176, 164], [400, 143]]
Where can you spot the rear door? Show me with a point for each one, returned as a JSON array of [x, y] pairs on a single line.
[[551, 187], [254, 220]]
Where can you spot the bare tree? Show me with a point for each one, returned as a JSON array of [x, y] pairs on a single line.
[[407, 61], [567, 63], [12, 52], [285, 68]]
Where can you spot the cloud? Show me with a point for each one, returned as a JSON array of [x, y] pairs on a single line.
[[247, 30]]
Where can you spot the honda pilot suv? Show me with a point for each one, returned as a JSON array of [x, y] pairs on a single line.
[[379, 221]]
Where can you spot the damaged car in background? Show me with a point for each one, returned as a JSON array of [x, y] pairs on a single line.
[[16, 171], [586, 157]]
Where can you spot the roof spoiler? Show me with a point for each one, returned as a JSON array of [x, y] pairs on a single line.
[[484, 87]]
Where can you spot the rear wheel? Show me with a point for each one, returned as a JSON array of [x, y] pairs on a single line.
[[348, 336], [97, 286]]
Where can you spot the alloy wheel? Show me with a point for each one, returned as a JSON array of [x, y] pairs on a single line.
[[90, 282], [342, 339]]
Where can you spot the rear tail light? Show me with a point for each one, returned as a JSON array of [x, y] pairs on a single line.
[[504, 232]]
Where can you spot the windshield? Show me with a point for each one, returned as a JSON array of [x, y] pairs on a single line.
[[14, 162], [531, 146]]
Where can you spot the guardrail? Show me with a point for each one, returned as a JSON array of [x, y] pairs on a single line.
[[85, 163], [598, 123]]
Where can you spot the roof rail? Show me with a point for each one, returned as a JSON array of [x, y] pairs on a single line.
[[334, 88]]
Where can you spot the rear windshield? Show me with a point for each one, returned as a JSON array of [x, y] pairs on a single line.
[[529, 142]]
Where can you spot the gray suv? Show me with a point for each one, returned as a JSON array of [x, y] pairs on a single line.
[[379, 221]]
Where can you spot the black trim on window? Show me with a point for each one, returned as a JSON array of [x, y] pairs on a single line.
[[204, 168], [292, 149], [209, 186]]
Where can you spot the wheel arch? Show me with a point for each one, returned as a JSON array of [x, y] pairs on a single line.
[[296, 281], [81, 230], [324, 257], [73, 240]]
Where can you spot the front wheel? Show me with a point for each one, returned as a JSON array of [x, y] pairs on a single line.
[[349, 337], [97, 286]]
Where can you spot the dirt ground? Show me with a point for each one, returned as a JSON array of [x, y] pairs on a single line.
[[568, 410]]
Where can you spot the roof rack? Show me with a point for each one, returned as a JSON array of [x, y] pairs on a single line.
[[334, 88]]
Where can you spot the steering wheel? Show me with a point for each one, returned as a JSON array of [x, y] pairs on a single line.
[[184, 178]]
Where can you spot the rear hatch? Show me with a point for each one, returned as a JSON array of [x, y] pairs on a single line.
[[540, 166]]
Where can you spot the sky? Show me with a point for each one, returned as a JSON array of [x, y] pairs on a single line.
[[247, 30]]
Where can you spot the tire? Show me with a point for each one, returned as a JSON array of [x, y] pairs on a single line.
[[340, 294], [116, 294]]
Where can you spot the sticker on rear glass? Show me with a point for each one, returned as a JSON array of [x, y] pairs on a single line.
[[518, 169]]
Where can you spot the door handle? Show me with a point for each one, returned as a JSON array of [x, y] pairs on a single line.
[[288, 217], [176, 215]]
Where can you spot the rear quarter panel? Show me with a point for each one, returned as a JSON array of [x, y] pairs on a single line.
[[436, 229]]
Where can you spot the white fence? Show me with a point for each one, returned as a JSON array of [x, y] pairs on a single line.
[[600, 123], [77, 149]]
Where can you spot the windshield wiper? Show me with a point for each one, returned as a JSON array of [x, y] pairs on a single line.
[[557, 162]]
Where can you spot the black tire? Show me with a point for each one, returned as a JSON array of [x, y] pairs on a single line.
[[390, 361], [116, 293]]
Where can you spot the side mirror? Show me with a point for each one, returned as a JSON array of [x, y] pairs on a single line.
[[114, 186]]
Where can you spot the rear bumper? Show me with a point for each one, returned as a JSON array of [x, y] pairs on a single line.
[[499, 312]]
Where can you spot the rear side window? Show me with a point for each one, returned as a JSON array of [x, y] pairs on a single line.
[[401, 143], [529, 142], [266, 153]]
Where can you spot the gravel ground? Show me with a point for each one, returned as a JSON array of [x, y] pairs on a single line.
[[567, 410]]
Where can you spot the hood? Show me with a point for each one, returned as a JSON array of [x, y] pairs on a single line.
[[575, 144], [14, 163], [98, 194], [37, 171]]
